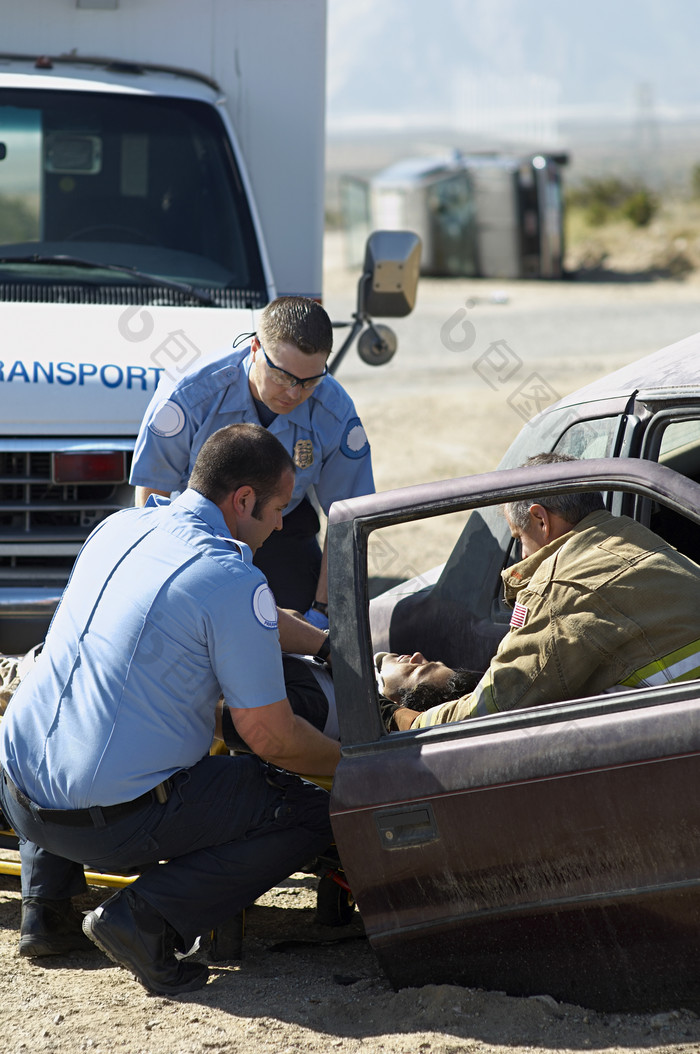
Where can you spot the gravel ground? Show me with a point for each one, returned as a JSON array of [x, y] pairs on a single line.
[[301, 986], [298, 987]]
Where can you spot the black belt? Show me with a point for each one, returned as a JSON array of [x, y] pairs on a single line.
[[98, 815]]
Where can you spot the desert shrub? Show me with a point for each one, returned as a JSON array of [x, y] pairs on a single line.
[[610, 198], [640, 207]]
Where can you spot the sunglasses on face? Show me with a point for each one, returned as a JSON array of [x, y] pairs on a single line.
[[285, 379]]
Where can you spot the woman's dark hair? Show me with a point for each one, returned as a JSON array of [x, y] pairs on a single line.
[[238, 456], [423, 696]]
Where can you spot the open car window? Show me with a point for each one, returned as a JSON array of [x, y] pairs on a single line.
[[575, 706], [454, 620]]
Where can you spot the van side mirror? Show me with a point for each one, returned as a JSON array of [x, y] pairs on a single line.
[[390, 274], [387, 287]]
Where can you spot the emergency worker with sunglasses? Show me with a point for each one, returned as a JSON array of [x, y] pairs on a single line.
[[281, 381]]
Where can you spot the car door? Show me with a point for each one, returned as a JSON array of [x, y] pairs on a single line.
[[553, 849]]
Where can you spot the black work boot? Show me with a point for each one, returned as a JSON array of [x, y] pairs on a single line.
[[135, 936], [50, 927]]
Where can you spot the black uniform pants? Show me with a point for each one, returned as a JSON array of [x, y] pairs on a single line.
[[232, 828], [290, 559]]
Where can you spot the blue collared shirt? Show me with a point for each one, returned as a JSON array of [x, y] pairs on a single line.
[[323, 435], [163, 612]]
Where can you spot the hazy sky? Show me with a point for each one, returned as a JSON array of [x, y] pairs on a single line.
[[403, 60]]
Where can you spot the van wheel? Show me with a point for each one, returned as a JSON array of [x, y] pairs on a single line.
[[334, 905]]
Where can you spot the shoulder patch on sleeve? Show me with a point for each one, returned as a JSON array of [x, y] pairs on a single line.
[[168, 420], [265, 606], [354, 442]]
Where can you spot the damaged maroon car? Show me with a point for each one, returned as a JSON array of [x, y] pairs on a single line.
[[553, 849]]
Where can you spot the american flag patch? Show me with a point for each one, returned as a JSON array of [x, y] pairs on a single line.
[[519, 616]]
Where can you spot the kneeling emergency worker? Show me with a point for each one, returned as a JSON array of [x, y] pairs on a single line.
[[104, 746]]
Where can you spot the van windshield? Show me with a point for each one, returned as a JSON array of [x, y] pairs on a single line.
[[135, 181]]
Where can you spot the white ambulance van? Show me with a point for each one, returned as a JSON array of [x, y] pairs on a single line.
[[151, 203]]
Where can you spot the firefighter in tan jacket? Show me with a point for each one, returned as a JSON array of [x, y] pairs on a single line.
[[599, 603]]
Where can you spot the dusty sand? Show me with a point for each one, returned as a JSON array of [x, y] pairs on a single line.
[[298, 987]]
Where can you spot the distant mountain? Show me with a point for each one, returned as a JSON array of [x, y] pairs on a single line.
[[398, 62]]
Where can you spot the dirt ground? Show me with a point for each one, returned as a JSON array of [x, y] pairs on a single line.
[[300, 986]]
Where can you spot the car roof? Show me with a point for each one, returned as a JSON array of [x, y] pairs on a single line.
[[672, 368]]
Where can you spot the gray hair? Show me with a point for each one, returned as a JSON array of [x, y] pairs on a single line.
[[571, 507]]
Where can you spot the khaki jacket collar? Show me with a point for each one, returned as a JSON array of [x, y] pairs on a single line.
[[519, 575]]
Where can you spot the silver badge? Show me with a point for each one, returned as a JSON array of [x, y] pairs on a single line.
[[303, 453]]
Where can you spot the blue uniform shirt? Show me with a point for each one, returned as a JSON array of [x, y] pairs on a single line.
[[162, 613], [323, 435]]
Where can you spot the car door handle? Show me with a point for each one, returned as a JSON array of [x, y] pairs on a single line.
[[409, 826]]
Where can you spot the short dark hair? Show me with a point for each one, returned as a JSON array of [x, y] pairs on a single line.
[[296, 320], [422, 696], [238, 456], [571, 507]]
